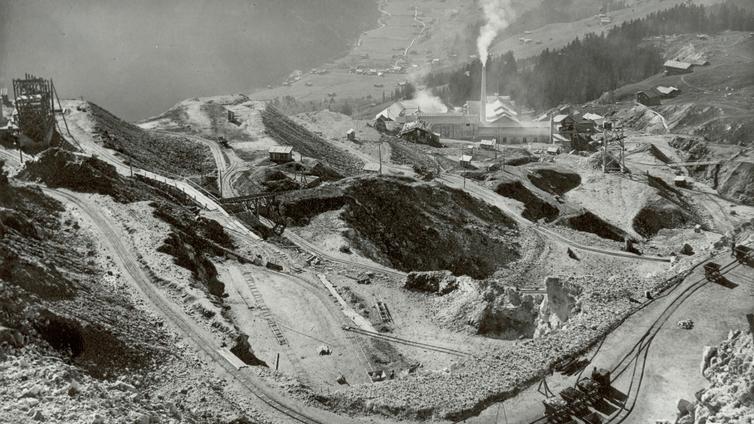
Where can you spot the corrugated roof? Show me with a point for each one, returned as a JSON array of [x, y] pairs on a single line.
[[488, 142], [665, 90], [466, 158], [281, 149], [593, 116], [677, 64], [558, 137], [371, 166]]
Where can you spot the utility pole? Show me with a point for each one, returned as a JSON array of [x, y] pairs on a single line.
[[379, 146], [220, 180], [604, 148]]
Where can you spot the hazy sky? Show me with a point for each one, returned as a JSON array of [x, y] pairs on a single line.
[[139, 57]]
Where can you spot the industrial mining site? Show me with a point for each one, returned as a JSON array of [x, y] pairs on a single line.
[[549, 222]]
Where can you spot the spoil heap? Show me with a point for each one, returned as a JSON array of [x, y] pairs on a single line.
[[171, 154], [411, 225], [288, 132]]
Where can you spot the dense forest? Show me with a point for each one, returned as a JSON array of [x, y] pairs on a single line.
[[585, 68]]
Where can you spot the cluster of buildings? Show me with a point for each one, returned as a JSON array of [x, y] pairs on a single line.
[[495, 117], [654, 96], [500, 121]]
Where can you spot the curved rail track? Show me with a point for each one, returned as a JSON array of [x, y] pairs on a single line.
[[635, 359], [203, 343]]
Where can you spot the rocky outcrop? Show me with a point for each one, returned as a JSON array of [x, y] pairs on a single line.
[[560, 304], [242, 349], [436, 282], [729, 398], [196, 261]]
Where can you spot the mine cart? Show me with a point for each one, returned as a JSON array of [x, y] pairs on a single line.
[[712, 271], [744, 254], [377, 375], [575, 400], [601, 377], [590, 389], [556, 410], [592, 418]]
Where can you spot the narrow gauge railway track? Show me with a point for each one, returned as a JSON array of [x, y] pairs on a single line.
[[201, 342], [640, 351]]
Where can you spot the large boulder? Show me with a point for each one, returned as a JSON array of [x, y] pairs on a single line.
[[438, 282]]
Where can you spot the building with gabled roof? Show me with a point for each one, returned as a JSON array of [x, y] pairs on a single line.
[[488, 144], [649, 97], [420, 132], [675, 67], [667, 92], [281, 154]]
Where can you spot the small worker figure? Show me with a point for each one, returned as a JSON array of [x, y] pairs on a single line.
[[392, 374], [733, 248]]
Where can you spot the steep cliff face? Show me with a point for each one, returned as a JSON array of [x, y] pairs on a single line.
[[736, 182]]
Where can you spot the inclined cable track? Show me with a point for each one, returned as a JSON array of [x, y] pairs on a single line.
[[407, 342]]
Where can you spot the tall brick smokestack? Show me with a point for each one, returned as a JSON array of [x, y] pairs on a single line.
[[483, 97]]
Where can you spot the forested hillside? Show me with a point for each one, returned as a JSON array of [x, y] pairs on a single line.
[[588, 67]]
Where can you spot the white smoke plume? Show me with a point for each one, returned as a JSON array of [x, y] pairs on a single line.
[[497, 14], [429, 103]]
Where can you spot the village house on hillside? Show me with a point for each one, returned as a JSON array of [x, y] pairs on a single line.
[[649, 97], [674, 67], [667, 92], [420, 132]]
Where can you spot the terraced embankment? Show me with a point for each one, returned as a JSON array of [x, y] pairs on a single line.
[[303, 141]]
